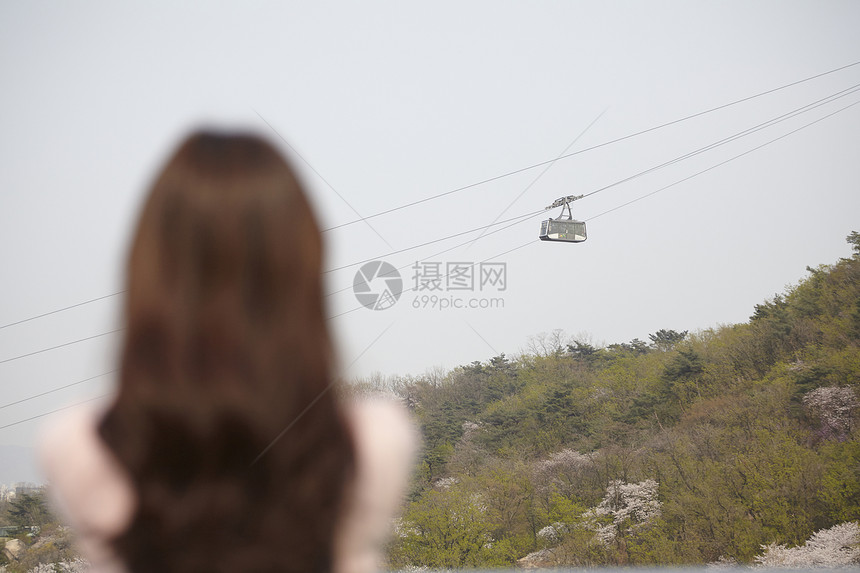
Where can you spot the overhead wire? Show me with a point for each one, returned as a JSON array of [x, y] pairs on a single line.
[[522, 218], [473, 265], [532, 241], [543, 172], [517, 221], [508, 174], [711, 168], [34, 396], [460, 234], [60, 346], [773, 121], [61, 309], [42, 415], [769, 123], [318, 174], [591, 148]]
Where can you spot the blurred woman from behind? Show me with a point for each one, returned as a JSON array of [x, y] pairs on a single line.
[[226, 447]]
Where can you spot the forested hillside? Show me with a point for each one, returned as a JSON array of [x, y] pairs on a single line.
[[686, 448]]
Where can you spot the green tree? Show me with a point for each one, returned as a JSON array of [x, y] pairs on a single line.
[[29, 510], [841, 481], [853, 239], [666, 340], [446, 528]]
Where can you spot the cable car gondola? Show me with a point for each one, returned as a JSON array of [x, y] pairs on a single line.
[[565, 229]]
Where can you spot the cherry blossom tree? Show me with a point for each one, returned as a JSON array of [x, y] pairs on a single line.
[[838, 546], [626, 506], [557, 470], [834, 406]]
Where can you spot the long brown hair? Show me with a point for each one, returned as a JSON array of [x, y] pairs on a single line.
[[225, 348]]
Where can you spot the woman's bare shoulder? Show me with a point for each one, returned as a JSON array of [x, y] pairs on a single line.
[[382, 427], [87, 483], [386, 441]]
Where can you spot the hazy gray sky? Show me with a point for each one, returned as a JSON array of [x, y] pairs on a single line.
[[393, 102]]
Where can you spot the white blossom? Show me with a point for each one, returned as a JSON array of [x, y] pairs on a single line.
[[76, 565], [537, 559], [548, 533], [835, 547], [469, 429], [552, 532], [834, 407], [446, 483], [605, 533], [549, 473], [565, 460], [633, 505], [402, 528]]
